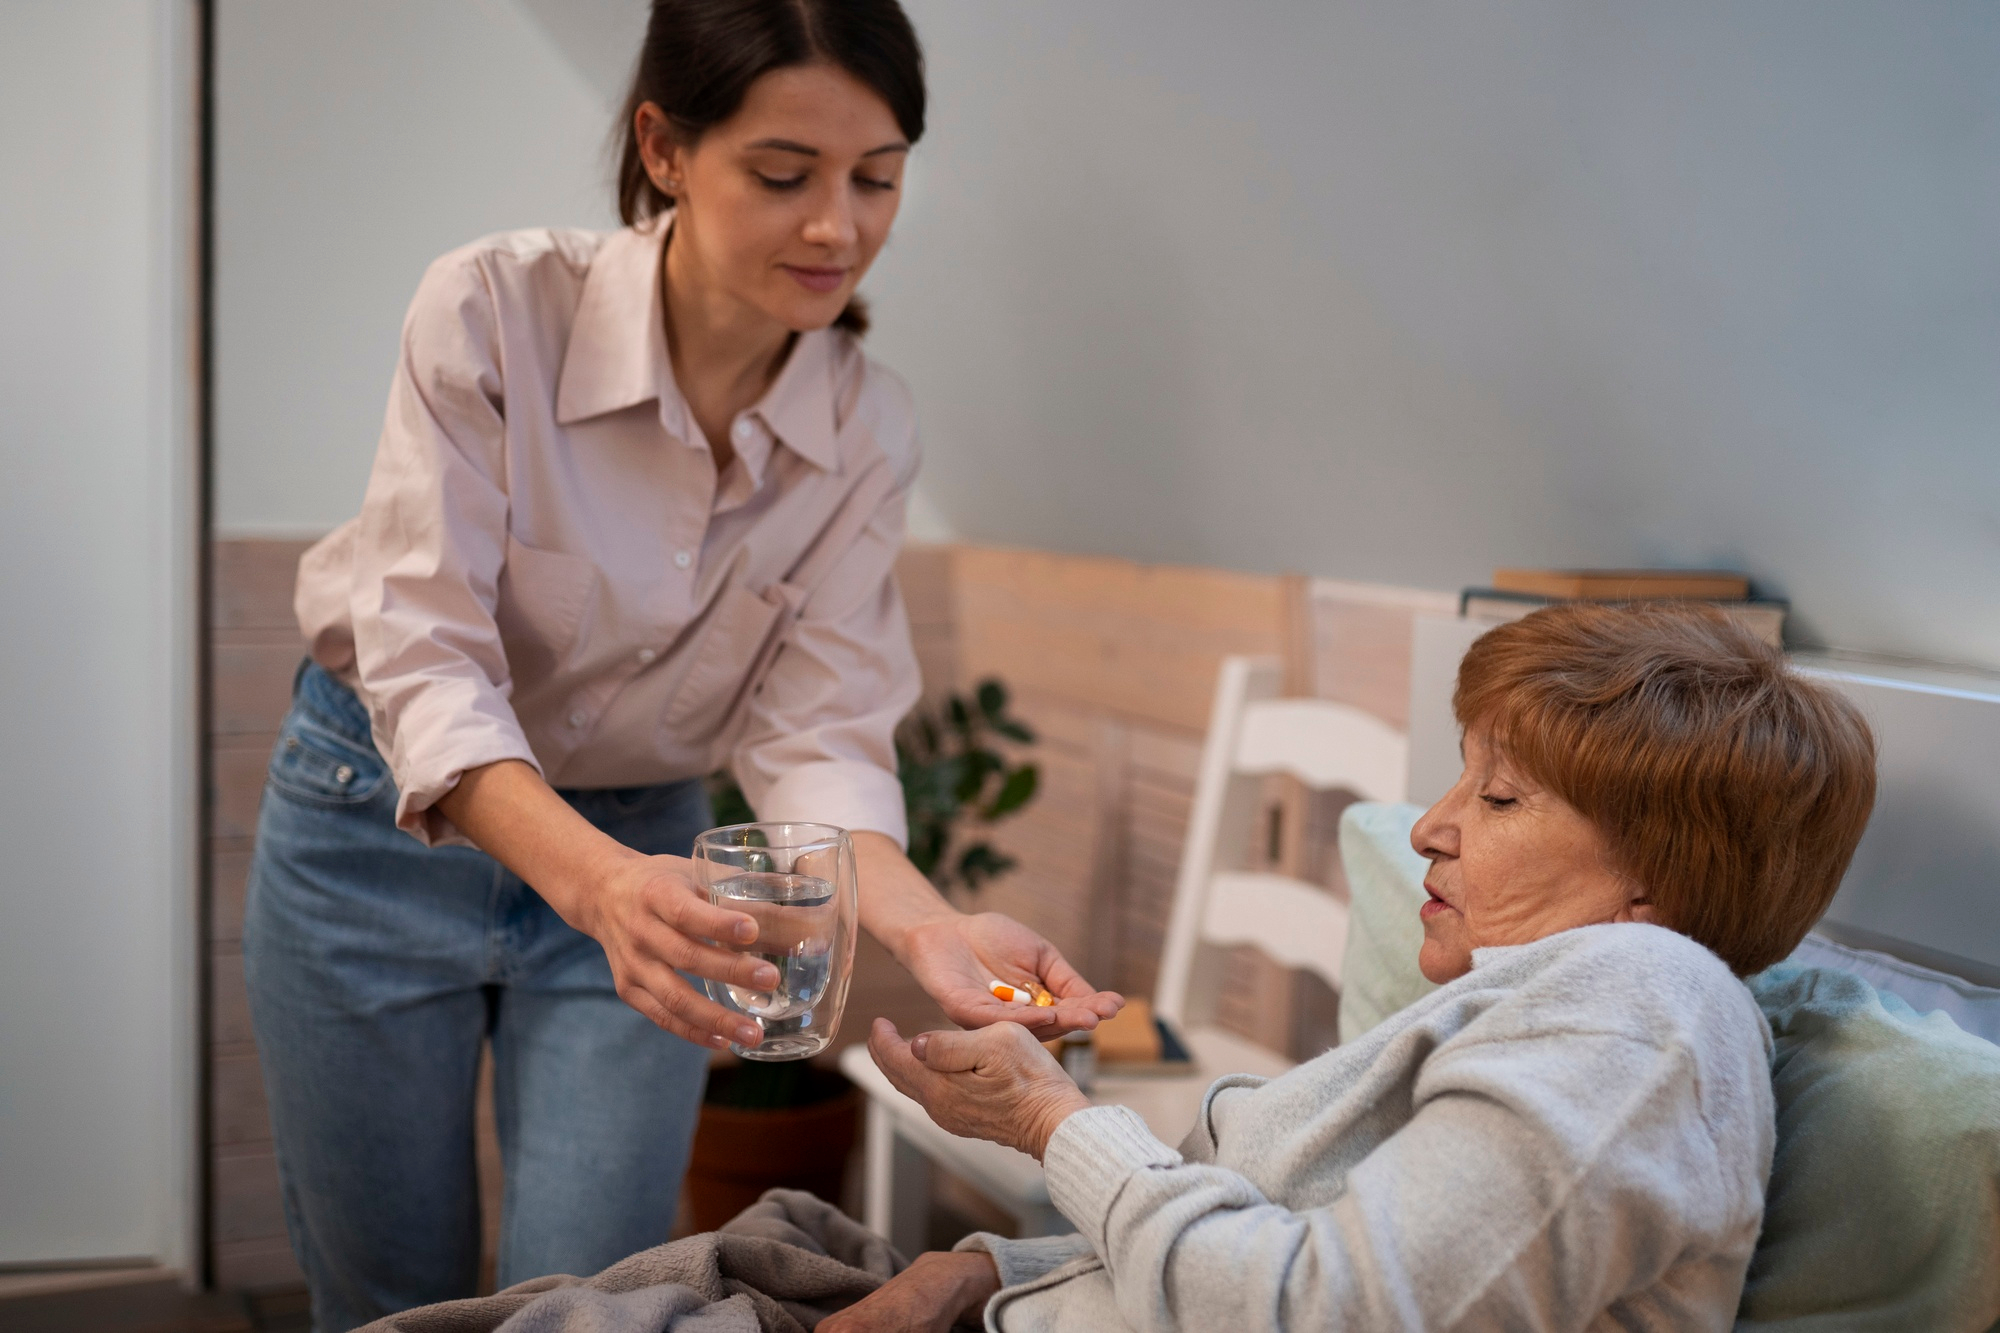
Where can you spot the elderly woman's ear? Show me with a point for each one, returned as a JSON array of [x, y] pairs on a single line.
[[994, 1083]]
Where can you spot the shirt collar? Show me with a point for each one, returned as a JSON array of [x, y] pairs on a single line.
[[617, 355], [799, 405]]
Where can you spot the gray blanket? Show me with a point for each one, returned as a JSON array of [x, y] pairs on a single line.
[[779, 1266]]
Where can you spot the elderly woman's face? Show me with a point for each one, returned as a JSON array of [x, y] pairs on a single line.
[[1511, 862]]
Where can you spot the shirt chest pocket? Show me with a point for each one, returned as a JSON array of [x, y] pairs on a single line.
[[736, 645], [544, 599]]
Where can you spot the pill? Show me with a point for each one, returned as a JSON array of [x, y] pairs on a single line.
[[1008, 994], [1043, 1000]]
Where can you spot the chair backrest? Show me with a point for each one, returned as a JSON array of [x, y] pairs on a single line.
[[1253, 733]]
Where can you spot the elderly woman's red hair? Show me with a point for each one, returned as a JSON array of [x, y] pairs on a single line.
[[1729, 786]]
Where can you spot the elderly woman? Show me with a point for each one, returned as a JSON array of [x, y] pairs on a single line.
[[1575, 1132]]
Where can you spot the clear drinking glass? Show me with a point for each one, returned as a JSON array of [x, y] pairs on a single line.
[[797, 882]]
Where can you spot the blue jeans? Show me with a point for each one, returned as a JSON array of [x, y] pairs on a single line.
[[376, 967]]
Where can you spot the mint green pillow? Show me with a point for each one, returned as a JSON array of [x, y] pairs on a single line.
[[1385, 884], [1884, 1206]]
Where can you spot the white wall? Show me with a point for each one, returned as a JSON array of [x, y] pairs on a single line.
[[1387, 292], [1403, 292], [97, 537], [356, 142]]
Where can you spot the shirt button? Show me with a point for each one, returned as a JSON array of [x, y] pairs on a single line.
[[682, 559], [343, 774], [578, 718], [742, 431], [646, 656]]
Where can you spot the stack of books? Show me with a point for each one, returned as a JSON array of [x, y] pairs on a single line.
[[1516, 592]]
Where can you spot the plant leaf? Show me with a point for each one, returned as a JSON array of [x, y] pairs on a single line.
[[980, 862], [1015, 791], [992, 699]]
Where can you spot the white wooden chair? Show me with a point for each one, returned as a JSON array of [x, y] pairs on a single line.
[[1217, 903], [1252, 734]]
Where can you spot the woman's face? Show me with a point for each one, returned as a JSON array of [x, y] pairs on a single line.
[[782, 207], [1511, 862]]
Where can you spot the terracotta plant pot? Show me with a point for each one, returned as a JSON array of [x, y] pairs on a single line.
[[739, 1152]]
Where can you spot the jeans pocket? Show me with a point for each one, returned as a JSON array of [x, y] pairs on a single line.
[[311, 763]]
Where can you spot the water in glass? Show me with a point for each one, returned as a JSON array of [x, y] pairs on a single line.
[[794, 935]]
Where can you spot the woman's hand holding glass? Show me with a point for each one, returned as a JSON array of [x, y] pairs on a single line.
[[655, 922], [654, 919]]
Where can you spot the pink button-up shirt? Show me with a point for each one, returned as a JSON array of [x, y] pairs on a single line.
[[548, 566]]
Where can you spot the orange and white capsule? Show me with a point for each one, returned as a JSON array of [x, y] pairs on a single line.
[[1035, 994]]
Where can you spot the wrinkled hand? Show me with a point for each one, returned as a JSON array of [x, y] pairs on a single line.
[[652, 919], [996, 1084], [932, 1294], [957, 957]]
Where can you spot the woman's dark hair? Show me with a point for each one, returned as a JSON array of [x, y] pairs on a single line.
[[701, 56]]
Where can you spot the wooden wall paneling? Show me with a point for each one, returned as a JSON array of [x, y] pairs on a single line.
[[254, 649], [250, 679], [1106, 891], [1158, 797], [228, 884], [262, 1263], [1255, 998], [249, 1205], [228, 1000], [251, 584], [1357, 648], [1296, 592], [924, 574], [1056, 837], [238, 764], [239, 1113], [1136, 641]]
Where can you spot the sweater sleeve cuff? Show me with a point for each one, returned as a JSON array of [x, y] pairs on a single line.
[[1020, 1261], [847, 793], [1090, 1158]]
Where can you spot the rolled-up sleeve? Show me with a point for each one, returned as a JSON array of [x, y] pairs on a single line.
[[820, 745], [429, 549]]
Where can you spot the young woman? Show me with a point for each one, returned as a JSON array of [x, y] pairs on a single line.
[[633, 517]]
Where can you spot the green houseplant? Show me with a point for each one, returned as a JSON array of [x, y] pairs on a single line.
[[954, 768]]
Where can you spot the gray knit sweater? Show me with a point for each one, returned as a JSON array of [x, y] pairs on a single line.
[[1575, 1135]]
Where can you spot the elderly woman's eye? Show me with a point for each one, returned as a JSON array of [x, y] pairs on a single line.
[[1498, 802]]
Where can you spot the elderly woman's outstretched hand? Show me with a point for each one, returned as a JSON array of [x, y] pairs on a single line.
[[996, 1083]]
